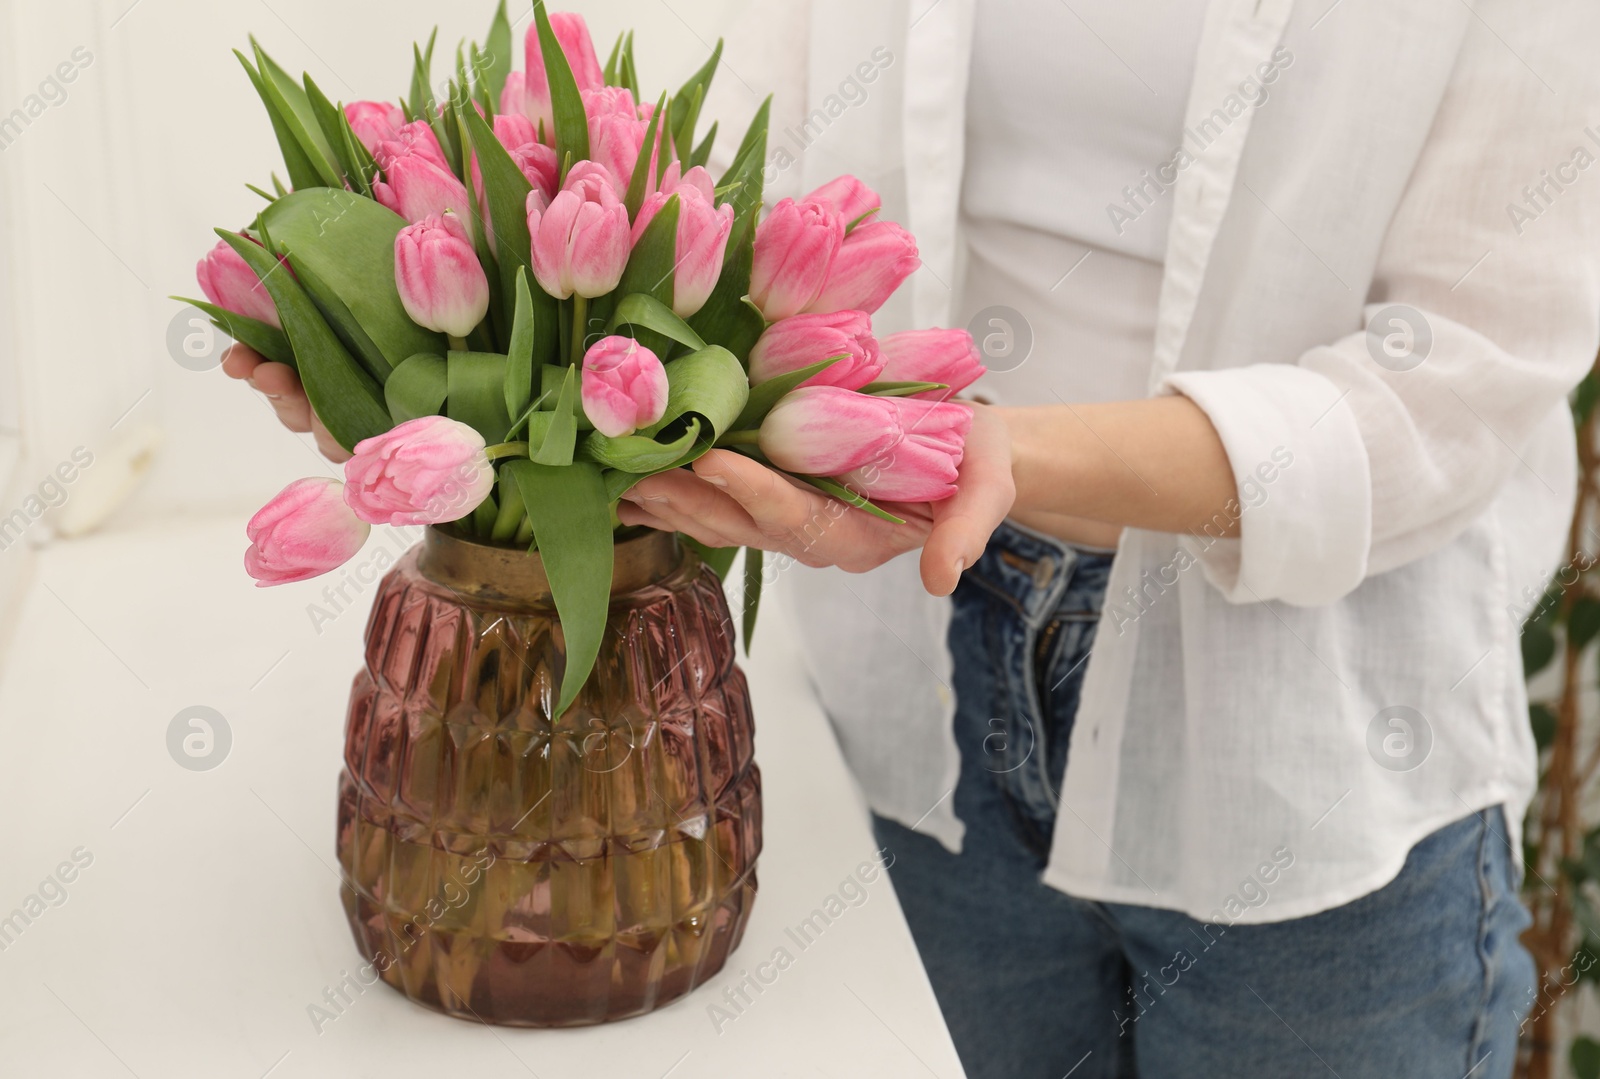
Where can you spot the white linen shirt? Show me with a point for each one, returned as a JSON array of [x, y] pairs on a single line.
[[1380, 285]]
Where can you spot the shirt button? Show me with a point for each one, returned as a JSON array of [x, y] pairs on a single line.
[[1044, 571]]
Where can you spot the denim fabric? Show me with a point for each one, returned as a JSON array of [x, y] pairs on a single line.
[[1423, 979]]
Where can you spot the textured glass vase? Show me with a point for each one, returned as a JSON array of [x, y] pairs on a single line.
[[504, 865]]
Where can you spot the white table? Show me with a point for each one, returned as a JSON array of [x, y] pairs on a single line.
[[208, 921]]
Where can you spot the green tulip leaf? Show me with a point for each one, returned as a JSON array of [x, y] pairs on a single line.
[[743, 180], [562, 434], [347, 399], [346, 245], [634, 198], [848, 497], [494, 63], [295, 160], [421, 103], [708, 384], [637, 453], [717, 559], [264, 337], [655, 256], [476, 393], [901, 389], [572, 125], [519, 361], [702, 152], [728, 318], [418, 387], [571, 518], [647, 312], [764, 396], [292, 104], [752, 593]]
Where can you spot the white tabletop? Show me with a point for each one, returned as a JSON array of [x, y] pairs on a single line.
[[208, 921]]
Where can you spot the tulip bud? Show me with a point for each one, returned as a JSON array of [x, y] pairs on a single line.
[[529, 98], [702, 237], [306, 530], [871, 263], [847, 197], [923, 466], [803, 340], [580, 241], [416, 182], [437, 273], [230, 283], [947, 356], [624, 386], [425, 471], [375, 122], [572, 34], [824, 430], [794, 252], [536, 160]]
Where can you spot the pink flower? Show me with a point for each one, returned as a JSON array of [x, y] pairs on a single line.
[[802, 340], [572, 34], [624, 386], [871, 263], [923, 466], [847, 197], [702, 237], [230, 283], [616, 135], [425, 471], [416, 182], [536, 160], [580, 241], [530, 99], [306, 530], [794, 251], [825, 430], [947, 356], [374, 122], [441, 283]]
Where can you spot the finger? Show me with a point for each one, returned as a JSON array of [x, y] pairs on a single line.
[[239, 360], [630, 514], [963, 524], [326, 442], [691, 505], [279, 384], [776, 505]]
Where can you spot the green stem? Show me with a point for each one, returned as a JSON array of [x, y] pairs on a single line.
[[457, 344], [740, 438], [507, 449], [580, 329], [524, 532], [510, 515]]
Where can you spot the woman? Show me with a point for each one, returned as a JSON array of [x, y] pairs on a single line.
[[1222, 769]]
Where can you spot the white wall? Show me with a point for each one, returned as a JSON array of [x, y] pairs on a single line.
[[109, 197]]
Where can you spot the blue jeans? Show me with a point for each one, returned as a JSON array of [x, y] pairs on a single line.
[[1422, 979]]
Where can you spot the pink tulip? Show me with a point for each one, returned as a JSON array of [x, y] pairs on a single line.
[[375, 122], [624, 386], [871, 263], [803, 340], [923, 466], [572, 34], [306, 530], [529, 98], [947, 356], [441, 283], [825, 430], [425, 471], [702, 237], [847, 197], [416, 182], [794, 252], [230, 283], [580, 241]]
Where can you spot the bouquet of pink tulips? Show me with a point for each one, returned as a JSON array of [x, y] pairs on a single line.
[[514, 303]]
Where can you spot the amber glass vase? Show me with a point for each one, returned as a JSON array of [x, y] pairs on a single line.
[[510, 866]]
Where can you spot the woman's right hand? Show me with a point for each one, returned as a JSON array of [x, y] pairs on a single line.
[[280, 385]]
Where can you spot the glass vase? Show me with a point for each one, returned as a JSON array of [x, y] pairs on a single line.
[[509, 866]]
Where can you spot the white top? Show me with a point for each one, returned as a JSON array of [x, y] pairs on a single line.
[[1385, 563]]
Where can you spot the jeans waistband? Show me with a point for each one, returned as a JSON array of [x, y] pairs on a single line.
[[1032, 572]]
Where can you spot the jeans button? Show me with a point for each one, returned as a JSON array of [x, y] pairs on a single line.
[[1044, 571]]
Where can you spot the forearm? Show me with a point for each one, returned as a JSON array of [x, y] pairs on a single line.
[[1155, 464]]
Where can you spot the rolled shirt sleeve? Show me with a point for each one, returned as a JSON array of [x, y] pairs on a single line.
[[1482, 315]]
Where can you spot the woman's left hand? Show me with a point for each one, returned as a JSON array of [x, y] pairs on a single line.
[[729, 500]]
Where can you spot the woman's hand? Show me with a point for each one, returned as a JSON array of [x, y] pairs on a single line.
[[730, 500], [280, 385]]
